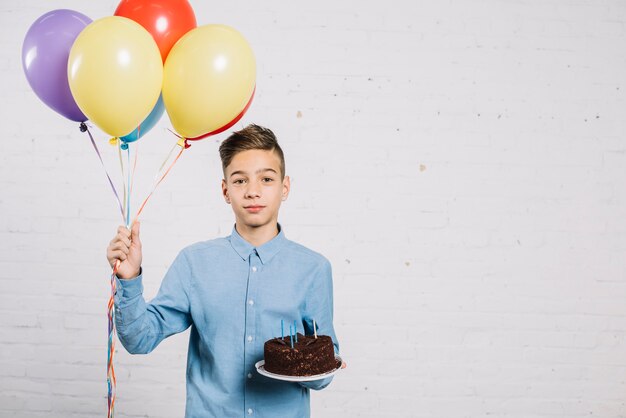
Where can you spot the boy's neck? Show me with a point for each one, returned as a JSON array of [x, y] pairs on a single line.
[[257, 236]]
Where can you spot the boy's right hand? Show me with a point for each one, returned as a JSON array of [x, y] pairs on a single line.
[[126, 248]]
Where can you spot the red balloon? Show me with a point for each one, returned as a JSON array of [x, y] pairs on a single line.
[[229, 124], [166, 20]]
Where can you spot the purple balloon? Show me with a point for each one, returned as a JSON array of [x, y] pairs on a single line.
[[45, 52]]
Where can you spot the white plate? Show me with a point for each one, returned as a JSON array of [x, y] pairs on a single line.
[[261, 369]]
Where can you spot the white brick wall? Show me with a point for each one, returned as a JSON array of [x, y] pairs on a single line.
[[462, 164]]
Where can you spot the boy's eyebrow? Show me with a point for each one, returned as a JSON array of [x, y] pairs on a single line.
[[262, 170]]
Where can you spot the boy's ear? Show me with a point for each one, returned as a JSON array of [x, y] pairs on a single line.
[[225, 192], [286, 187]]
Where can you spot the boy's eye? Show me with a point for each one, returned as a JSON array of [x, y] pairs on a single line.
[[268, 179], [239, 181]]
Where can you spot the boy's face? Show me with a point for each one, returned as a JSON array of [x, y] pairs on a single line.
[[254, 188]]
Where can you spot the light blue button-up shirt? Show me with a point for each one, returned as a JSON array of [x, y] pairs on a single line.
[[233, 296]]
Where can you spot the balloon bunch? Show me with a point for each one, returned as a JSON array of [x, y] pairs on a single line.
[[122, 72], [113, 70]]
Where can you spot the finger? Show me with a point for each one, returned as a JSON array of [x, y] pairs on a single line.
[[344, 365], [122, 230], [117, 236], [119, 246], [127, 241], [121, 237], [115, 256], [118, 255]]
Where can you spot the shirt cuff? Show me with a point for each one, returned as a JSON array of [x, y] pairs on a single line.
[[129, 288]]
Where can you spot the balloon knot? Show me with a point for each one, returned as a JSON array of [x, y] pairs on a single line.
[[183, 143], [124, 146], [83, 127]]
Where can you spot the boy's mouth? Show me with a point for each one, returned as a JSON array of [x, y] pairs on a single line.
[[253, 208]]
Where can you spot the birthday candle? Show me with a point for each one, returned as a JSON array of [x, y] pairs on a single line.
[[314, 329], [291, 336], [295, 332], [282, 329]]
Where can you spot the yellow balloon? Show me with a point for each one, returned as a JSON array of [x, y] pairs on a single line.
[[115, 74], [208, 79]]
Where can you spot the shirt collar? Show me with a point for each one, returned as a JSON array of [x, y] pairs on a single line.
[[265, 251]]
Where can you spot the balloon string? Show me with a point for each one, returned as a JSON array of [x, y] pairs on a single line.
[[134, 167], [85, 128], [131, 178], [169, 155], [119, 153], [182, 148], [128, 185], [175, 134], [111, 381]]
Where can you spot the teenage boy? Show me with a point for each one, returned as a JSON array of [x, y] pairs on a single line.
[[233, 292]]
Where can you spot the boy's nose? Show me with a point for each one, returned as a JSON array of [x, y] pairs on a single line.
[[252, 192]]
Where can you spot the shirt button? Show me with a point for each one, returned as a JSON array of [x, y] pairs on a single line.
[[250, 302], [254, 269], [249, 375], [249, 411], [249, 338]]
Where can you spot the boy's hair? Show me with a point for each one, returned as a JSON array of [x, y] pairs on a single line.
[[249, 138]]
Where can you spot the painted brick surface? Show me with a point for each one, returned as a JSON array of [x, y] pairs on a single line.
[[462, 165]]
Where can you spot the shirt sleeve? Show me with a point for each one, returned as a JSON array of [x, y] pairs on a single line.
[[319, 307], [142, 326]]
